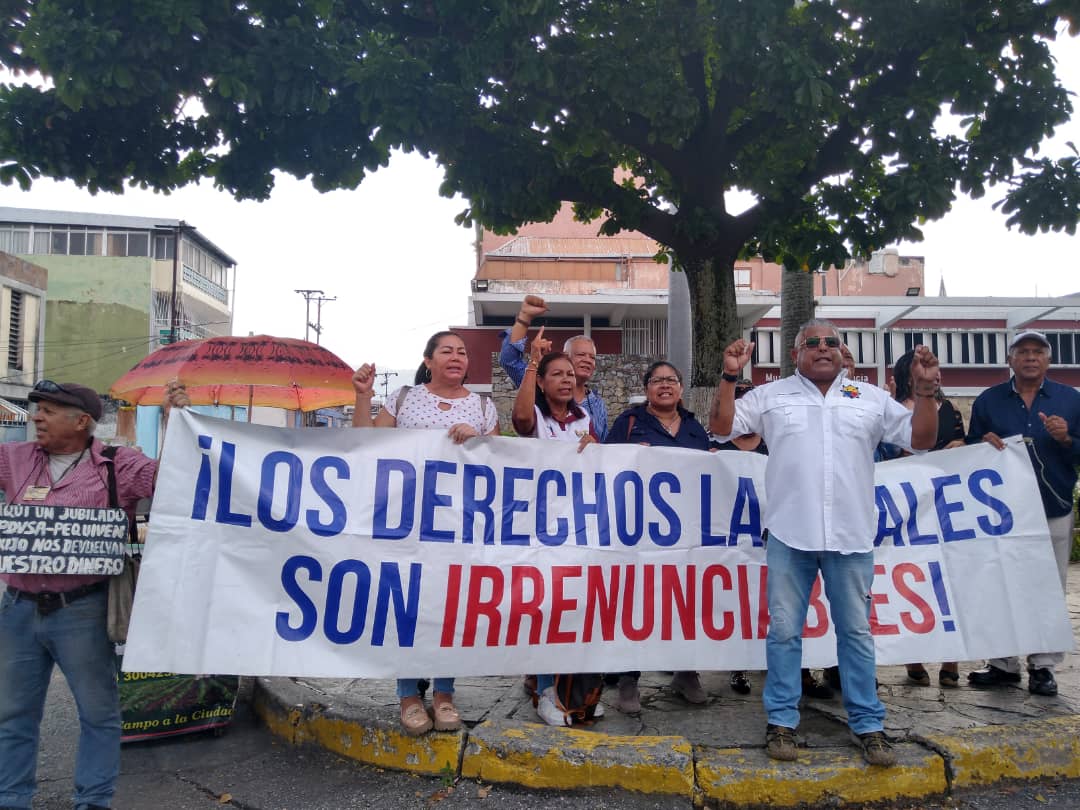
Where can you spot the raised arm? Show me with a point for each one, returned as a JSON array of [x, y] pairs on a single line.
[[925, 381], [364, 384], [524, 413], [512, 352], [722, 412]]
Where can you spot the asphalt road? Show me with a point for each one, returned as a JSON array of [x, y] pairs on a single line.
[[247, 768]]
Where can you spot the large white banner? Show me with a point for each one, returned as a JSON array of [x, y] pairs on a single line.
[[379, 553]]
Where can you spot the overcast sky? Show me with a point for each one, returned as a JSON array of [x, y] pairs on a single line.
[[400, 267]]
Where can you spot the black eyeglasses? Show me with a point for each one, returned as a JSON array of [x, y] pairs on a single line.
[[814, 342], [49, 387]]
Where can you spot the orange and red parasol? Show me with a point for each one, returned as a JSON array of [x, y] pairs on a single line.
[[260, 370]]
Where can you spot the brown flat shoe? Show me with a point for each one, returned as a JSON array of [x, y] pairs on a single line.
[[414, 717], [446, 716]]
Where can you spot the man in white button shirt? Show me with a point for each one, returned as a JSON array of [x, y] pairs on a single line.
[[821, 428]]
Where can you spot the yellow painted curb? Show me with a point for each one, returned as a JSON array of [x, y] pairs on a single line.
[[387, 747], [748, 776], [539, 756], [1033, 749]]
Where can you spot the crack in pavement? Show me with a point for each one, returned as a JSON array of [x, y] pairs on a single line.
[[218, 797]]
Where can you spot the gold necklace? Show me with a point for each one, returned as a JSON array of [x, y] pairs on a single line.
[[667, 423]]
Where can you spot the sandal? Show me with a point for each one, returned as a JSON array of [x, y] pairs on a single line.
[[446, 716], [949, 678], [414, 717], [917, 674]]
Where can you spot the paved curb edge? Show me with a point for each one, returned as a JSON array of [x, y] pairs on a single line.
[[544, 757]]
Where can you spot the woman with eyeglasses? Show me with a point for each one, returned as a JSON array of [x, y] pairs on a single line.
[[661, 422], [438, 401]]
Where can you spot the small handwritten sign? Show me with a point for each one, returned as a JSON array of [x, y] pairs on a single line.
[[62, 540]]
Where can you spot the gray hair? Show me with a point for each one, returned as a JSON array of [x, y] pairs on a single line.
[[568, 346], [75, 412], [816, 322]]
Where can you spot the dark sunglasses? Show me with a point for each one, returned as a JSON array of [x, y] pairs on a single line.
[[49, 387], [814, 342]]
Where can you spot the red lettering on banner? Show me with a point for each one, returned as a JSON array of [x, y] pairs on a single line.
[[673, 592], [763, 603], [707, 609], [900, 572], [453, 594], [603, 598], [744, 602], [560, 604], [475, 606], [648, 613], [821, 616], [520, 607], [876, 627]]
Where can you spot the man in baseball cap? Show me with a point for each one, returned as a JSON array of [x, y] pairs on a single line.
[[1047, 415], [1030, 334]]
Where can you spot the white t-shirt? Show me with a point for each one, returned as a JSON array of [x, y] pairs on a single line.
[[548, 428], [420, 409]]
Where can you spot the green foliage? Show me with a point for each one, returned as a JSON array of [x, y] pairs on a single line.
[[828, 111]]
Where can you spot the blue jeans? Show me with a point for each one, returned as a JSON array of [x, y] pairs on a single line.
[[409, 687], [75, 638], [847, 579]]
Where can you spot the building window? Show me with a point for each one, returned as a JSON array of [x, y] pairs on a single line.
[[138, 244], [742, 277], [163, 248], [14, 239], [15, 331]]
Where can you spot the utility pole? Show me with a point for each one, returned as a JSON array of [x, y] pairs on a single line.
[[318, 296], [386, 375]]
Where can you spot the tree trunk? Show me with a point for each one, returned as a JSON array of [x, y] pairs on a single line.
[[796, 308], [713, 314]]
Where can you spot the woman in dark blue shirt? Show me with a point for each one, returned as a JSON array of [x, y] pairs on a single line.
[[662, 421]]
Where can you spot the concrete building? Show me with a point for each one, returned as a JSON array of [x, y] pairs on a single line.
[[612, 289], [23, 287], [113, 282]]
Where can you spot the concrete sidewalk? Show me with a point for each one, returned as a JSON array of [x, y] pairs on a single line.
[[947, 738]]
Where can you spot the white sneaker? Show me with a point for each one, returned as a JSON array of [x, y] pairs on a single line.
[[549, 710]]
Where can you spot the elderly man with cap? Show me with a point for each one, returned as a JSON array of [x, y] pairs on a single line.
[[61, 618], [1047, 415]]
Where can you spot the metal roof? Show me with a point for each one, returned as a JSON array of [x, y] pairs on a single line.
[[39, 216], [883, 311]]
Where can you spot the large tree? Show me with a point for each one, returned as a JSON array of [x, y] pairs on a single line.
[[830, 113]]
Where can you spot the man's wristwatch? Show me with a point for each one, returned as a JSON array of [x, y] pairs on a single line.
[[731, 378]]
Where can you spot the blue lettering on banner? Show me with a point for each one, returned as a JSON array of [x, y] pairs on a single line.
[[628, 479], [433, 499], [380, 528], [945, 509], [202, 483], [390, 595], [309, 614], [671, 537], [292, 490], [225, 475], [512, 505], [357, 614], [914, 537], [562, 525], [338, 512], [583, 508], [405, 612], [707, 537], [746, 500], [471, 505], [975, 481], [887, 509]]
